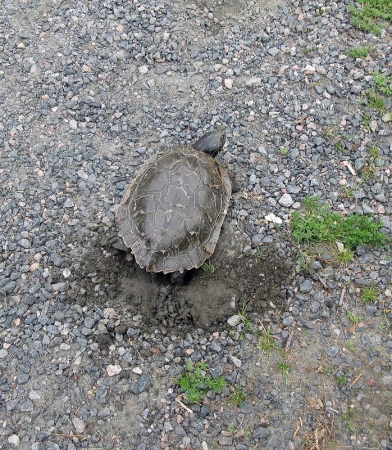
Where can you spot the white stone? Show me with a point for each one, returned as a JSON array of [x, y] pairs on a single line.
[[113, 369], [143, 70], [286, 200], [229, 83], [79, 425], [14, 440], [73, 124], [309, 69], [234, 320], [137, 370], [272, 218], [254, 81]]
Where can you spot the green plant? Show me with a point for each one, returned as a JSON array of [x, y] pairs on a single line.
[[353, 318], [196, 382], [259, 253], [237, 396], [283, 151], [368, 16], [285, 368], [359, 52], [345, 256], [266, 341], [375, 101], [366, 121], [350, 345], [318, 224], [383, 82], [249, 326], [370, 293], [374, 151], [347, 419], [368, 171], [341, 379], [208, 268]]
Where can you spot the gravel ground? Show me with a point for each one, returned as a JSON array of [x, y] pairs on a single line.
[[92, 346]]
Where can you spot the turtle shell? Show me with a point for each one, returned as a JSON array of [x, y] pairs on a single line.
[[173, 211]]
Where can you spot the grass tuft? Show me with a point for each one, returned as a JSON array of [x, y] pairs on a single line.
[[371, 15], [318, 224], [195, 381]]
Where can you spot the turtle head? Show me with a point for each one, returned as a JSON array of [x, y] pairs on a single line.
[[211, 143]]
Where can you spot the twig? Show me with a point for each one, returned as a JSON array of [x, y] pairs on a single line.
[[289, 339], [326, 287], [356, 379], [342, 296], [184, 406]]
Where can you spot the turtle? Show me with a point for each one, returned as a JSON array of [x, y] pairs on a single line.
[[172, 212]]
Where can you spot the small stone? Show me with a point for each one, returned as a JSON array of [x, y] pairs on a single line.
[[141, 384], [332, 351], [228, 83], [273, 51], [387, 117], [286, 200], [305, 287], [143, 70], [66, 272], [274, 219], [113, 369], [372, 383], [234, 320], [3, 353], [73, 124], [137, 370], [236, 361], [309, 69], [25, 243], [254, 81], [14, 440], [79, 425]]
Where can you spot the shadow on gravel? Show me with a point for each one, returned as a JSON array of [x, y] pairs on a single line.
[[111, 278]]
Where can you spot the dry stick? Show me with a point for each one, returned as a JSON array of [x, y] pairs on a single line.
[[342, 296], [324, 284], [356, 379], [184, 406], [289, 339]]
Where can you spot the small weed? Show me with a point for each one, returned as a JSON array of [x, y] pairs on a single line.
[[350, 345], [347, 419], [318, 224], [375, 101], [366, 121], [195, 382], [368, 171], [368, 16], [232, 429], [283, 151], [345, 256], [359, 52], [374, 151], [370, 294], [259, 253], [353, 318], [341, 379], [208, 268], [383, 82], [237, 396], [382, 327], [285, 368], [249, 326], [266, 341]]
